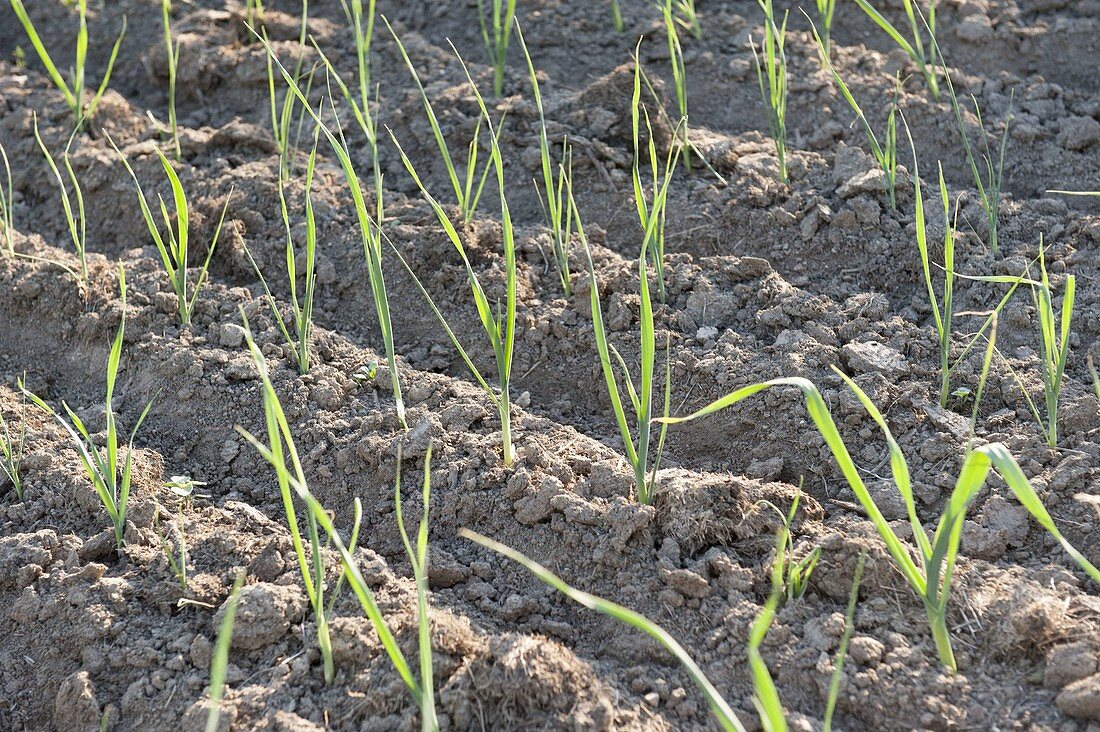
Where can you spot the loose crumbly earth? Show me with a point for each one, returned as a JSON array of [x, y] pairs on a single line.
[[765, 280]]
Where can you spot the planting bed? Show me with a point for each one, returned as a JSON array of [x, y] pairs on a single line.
[[764, 280]]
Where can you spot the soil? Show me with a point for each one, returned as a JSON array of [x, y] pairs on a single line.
[[764, 279]]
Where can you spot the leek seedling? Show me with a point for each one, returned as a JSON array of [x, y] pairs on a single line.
[[301, 308], [616, 16], [942, 311], [721, 710], [989, 186], [679, 78], [13, 446], [765, 694], [369, 229], [1074, 193], [651, 213], [931, 574], [1095, 376], [363, 30], [466, 195], [219, 661], [842, 648], [771, 76], [560, 218], [73, 89], [282, 454], [311, 563], [7, 206], [109, 476], [174, 246], [964, 393], [687, 18], [72, 204], [173, 62], [418, 559], [552, 195], [1054, 332], [500, 327], [253, 12], [990, 189], [825, 11], [362, 26], [795, 573], [282, 116], [361, 109], [496, 32], [640, 397], [924, 57], [886, 152]]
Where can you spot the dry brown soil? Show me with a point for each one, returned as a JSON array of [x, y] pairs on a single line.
[[765, 280]]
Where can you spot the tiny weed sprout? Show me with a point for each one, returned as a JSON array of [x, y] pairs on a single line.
[[219, 661], [721, 710], [640, 397], [466, 194], [73, 89], [1054, 336], [920, 52], [651, 211], [496, 33], [552, 195], [369, 229], [109, 475], [931, 574], [842, 648], [617, 16], [885, 151], [679, 78], [13, 445], [282, 454], [73, 203], [771, 77], [174, 246], [825, 11], [499, 326], [182, 485], [301, 302], [173, 63], [7, 207]]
